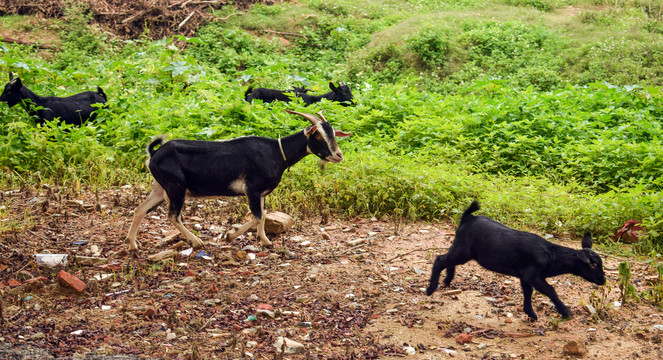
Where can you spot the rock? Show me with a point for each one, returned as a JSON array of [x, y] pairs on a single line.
[[410, 350], [291, 347], [265, 307], [90, 261], [464, 338], [171, 336], [325, 236], [210, 302], [187, 280], [263, 312], [251, 344], [38, 336], [162, 255], [251, 248], [590, 309], [575, 348], [278, 222], [66, 279]]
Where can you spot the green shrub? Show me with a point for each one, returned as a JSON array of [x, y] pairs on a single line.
[[431, 45]]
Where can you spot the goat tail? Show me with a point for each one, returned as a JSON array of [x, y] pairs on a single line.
[[468, 213], [101, 92], [247, 93], [156, 142]]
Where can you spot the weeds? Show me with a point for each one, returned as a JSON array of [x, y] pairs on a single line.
[[626, 289]]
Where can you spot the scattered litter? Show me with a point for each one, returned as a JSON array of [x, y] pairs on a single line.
[[77, 332], [82, 242], [419, 271], [51, 260], [105, 307], [186, 252]]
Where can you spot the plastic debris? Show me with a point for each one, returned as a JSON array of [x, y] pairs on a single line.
[[52, 260]]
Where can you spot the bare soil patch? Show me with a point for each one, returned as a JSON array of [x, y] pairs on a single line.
[[350, 289]]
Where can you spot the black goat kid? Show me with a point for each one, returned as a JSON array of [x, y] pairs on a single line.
[[517, 253], [250, 166], [74, 110], [340, 93]]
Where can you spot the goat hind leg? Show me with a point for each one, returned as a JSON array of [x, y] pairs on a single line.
[[264, 241], [156, 196]]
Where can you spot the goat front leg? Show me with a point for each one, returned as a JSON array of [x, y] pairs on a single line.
[[156, 196], [177, 196], [546, 289], [527, 302], [438, 266]]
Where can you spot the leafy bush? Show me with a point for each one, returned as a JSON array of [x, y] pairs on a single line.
[[431, 45]]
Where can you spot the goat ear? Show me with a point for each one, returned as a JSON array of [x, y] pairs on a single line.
[[310, 130], [339, 133], [332, 86], [582, 254], [11, 76], [587, 241]]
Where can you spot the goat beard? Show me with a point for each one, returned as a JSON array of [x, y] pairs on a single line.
[[322, 163]]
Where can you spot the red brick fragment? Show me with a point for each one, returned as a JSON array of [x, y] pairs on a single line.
[[464, 338], [13, 283], [265, 307], [66, 279]]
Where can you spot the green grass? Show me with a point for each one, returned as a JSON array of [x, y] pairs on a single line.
[[502, 101]]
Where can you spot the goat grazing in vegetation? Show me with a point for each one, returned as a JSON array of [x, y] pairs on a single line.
[[270, 95], [250, 166], [74, 110], [517, 253], [340, 93]]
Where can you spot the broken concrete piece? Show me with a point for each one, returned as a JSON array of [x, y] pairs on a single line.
[[291, 347], [162, 255], [90, 260], [278, 222]]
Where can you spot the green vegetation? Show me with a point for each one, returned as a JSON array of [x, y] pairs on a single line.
[[550, 115]]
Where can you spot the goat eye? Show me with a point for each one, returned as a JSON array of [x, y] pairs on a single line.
[[592, 266]]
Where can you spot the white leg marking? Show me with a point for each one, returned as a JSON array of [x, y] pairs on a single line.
[[264, 241], [156, 196], [193, 239], [233, 235]]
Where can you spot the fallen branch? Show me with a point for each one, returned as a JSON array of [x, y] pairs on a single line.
[[25, 42], [285, 33], [185, 20], [228, 17]]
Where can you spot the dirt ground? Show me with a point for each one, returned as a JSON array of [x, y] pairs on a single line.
[[350, 289]]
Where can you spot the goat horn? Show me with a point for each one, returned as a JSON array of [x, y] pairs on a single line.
[[319, 113], [310, 117]]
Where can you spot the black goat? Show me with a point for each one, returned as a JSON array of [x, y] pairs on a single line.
[[270, 95], [339, 93], [517, 253], [74, 110], [251, 166]]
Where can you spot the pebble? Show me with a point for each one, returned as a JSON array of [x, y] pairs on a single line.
[[251, 344], [575, 348], [410, 350], [481, 346], [210, 302], [291, 346], [38, 336], [171, 336], [187, 280]]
